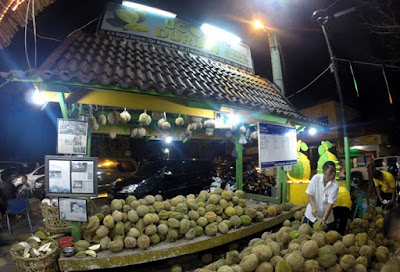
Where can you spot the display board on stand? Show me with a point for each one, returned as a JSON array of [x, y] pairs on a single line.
[[72, 137], [72, 209], [71, 176], [277, 145]]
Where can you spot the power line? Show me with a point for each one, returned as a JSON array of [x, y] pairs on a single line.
[[370, 63], [309, 84]]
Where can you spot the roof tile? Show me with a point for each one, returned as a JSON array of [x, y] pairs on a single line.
[[97, 59]]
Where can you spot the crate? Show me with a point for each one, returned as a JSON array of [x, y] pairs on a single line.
[[46, 263], [52, 220]]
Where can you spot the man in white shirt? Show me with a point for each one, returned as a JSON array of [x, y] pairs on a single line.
[[322, 194]]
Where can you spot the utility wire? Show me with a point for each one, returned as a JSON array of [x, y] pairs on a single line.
[[4, 83], [309, 84], [82, 27], [34, 31], [369, 63], [44, 37], [25, 40]]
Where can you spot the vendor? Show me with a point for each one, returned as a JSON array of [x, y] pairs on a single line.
[[385, 186], [342, 209], [322, 194]]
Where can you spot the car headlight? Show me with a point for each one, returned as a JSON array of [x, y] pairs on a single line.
[[129, 189]]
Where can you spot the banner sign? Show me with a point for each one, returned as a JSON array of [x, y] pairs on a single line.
[[129, 23], [277, 145]]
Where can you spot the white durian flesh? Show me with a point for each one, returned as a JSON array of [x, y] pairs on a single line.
[[113, 134], [191, 127], [102, 120]]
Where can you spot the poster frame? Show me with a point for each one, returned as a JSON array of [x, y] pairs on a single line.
[[79, 201], [61, 148], [70, 159]]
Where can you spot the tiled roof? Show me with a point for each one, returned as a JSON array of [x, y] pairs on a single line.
[[109, 61]]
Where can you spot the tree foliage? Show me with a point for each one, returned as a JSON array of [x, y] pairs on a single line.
[[382, 19]]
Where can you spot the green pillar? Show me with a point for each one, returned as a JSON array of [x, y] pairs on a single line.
[[282, 185], [239, 162], [63, 106], [347, 161], [75, 226]]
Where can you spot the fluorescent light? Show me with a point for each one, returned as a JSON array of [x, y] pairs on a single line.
[[234, 119], [38, 98], [312, 131], [149, 9], [168, 140], [217, 33]]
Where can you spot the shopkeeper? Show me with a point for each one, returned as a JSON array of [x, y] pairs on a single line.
[[322, 194]]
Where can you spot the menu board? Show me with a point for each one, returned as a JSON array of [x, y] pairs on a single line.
[[72, 209], [277, 145], [72, 137], [71, 176]]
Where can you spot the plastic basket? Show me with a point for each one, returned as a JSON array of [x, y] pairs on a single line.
[[52, 220], [46, 263]]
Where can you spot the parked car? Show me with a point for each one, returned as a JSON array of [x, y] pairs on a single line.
[[39, 189], [13, 169], [32, 177], [165, 177], [389, 163], [108, 170]]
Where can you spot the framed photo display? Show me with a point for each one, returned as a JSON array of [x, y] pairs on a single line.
[[72, 209], [70, 176], [72, 136]]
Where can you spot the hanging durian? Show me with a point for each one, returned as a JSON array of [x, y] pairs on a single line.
[[111, 118], [113, 134], [125, 116], [134, 132], [144, 119], [142, 132], [179, 121], [102, 120]]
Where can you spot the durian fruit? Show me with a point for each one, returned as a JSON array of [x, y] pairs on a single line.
[[111, 118], [166, 125], [254, 135], [144, 119], [117, 117], [179, 121], [113, 134], [143, 242], [134, 132], [142, 132], [92, 121], [125, 116], [210, 123], [102, 120]]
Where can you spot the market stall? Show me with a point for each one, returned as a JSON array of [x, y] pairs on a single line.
[[164, 250]]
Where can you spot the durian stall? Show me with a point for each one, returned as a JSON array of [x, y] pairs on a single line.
[[146, 90]]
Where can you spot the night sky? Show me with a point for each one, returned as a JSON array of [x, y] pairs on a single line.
[[29, 134]]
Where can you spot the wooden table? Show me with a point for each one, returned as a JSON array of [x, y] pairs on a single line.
[[164, 250]]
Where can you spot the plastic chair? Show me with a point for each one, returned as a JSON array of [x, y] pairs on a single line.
[[361, 206], [18, 206]]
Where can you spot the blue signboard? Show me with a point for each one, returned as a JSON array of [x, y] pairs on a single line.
[[277, 145]]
